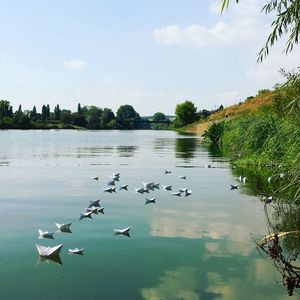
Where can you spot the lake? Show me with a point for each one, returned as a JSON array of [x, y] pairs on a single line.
[[191, 248]]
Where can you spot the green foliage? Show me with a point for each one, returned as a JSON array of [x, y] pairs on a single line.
[[108, 119], [159, 117], [215, 133], [57, 113], [186, 113], [263, 92], [92, 115], [65, 116], [127, 117], [161, 121], [268, 141]]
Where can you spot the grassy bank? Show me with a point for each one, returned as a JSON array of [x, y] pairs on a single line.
[[265, 140]]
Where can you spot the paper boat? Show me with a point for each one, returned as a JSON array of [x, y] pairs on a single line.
[[123, 231], [64, 227], [76, 251], [48, 251], [45, 234]]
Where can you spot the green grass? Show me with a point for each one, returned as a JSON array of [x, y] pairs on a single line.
[[267, 142]]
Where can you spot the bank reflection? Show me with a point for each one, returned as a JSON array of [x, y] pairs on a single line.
[[185, 147], [281, 245], [126, 151]]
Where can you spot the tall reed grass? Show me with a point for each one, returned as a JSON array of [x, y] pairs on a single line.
[[268, 140]]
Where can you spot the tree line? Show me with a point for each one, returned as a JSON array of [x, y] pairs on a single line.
[[93, 117]]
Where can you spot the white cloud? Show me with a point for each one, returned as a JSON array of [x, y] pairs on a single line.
[[244, 26], [266, 73], [75, 64], [245, 30]]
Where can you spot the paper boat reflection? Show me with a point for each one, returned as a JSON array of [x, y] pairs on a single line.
[[54, 258]]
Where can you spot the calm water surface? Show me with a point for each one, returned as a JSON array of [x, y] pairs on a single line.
[[189, 248]]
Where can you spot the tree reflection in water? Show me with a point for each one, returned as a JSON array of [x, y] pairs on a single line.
[[185, 147], [282, 245]]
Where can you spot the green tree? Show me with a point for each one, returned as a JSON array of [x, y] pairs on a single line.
[[93, 114], [79, 109], [48, 111], [5, 109], [106, 117], [65, 116], [286, 22], [78, 120], [33, 114], [159, 117], [186, 113], [57, 112], [6, 114], [44, 112], [160, 120], [127, 117]]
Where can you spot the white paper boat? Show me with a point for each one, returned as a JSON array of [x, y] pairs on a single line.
[[178, 194], [92, 209], [48, 251], [234, 186], [188, 193], [45, 234], [150, 200], [95, 203], [84, 215], [76, 251], [63, 227], [167, 187], [139, 190], [100, 210], [123, 231], [123, 187], [110, 189]]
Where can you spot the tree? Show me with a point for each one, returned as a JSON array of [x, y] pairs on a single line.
[[6, 114], [186, 113], [65, 116], [48, 111], [286, 22], [5, 109], [92, 115], [33, 114], [79, 110], [106, 118], [78, 120], [18, 115], [127, 117], [57, 112], [159, 118], [45, 112]]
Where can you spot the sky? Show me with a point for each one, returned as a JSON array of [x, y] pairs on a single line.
[[150, 54]]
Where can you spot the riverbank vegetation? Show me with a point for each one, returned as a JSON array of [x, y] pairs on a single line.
[[87, 117], [266, 140]]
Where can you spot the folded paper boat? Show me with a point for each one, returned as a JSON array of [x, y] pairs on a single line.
[[48, 251]]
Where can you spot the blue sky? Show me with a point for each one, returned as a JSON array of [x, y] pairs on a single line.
[[150, 54]]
